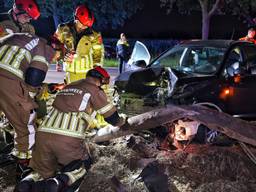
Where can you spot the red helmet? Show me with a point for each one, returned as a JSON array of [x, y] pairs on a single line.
[[28, 6], [84, 15], [100, 73]]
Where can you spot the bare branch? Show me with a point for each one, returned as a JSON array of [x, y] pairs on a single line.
[[214, 8]]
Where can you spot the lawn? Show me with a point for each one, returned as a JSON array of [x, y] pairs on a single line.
[[110, 63]]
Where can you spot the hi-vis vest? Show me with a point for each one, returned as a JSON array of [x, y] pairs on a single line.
[[74, 109], [12, 56], [89, 50], [71, 124]]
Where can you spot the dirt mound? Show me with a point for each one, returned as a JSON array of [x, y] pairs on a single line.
[[198, 168]]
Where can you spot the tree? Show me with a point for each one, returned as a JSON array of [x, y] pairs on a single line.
[[244, 9], [208, 8], [108, 13]]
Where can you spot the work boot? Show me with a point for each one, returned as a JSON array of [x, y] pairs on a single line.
[[24, 186], [22, 169]]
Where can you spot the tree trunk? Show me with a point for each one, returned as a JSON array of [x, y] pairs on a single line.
[[205, 20], [205, 26], [233, 127]]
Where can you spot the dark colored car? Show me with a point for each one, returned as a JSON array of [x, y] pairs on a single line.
[[220, 74]]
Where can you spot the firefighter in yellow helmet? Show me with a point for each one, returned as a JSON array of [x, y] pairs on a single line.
[[18, 18], [60, 139], [83, 47]]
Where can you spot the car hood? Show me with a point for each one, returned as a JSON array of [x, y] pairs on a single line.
[[131, 81]]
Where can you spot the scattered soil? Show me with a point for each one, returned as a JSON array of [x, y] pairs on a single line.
[[198, 168]]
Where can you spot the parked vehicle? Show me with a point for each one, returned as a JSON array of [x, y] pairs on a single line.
[[220, 74]]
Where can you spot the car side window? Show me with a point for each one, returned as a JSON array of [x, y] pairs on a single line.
[[172, 59], [250, 58]]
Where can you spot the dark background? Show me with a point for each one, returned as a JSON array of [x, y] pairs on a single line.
[[152, 22]]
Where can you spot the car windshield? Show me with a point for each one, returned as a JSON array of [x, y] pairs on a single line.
[[199, 60]]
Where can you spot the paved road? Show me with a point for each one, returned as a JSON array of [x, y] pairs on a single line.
[[57, 77]]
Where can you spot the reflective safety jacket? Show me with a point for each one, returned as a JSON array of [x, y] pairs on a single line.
[[7, 23], [20, 52], [86, 46], [73, 109]]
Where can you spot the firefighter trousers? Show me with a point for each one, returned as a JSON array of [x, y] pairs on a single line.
[[19, 108]]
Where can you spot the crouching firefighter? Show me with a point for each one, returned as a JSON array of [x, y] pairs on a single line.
[[60, 140], [23, 65]]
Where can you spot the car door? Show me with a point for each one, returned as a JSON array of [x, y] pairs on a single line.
[[241, 101]]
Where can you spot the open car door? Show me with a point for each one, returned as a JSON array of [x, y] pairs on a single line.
[[139, 54]]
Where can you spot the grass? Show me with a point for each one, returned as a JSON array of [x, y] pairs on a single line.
[[110, 63]]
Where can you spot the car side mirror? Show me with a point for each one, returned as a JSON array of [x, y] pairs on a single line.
[[140, 63]]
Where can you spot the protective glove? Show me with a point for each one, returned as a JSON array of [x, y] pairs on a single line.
[[108, 129]]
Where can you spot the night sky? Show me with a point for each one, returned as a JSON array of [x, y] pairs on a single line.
[[153, 22]]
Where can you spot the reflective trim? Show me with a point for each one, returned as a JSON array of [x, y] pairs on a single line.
[[32, 44], [65, 132], [97, 47], [10, 54], [84, 102], [28, 55], [31, 129], [40, 59], [88, 119], [2, 50], [22, 155], [13, 70], [18, 58], [105, 109], [75, 175]]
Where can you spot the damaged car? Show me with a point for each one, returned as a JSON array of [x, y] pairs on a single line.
[[219, 74]]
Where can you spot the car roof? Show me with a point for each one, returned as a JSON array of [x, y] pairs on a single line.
[[211, 43]]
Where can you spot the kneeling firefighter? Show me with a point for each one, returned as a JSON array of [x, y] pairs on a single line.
[[60, 139]]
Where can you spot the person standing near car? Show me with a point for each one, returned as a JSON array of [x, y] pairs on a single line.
[[60, 139], [122, 52], [250, 36], [81, 47]]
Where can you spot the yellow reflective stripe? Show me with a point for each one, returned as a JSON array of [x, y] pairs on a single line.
[[40, 59], [10, 54], [66, 119], [22, 155], [88, 119], [2, 50], [74, 121], [65, 132], [105, 109], [28, 55], [51, 119], [18, 58], [13, 70]]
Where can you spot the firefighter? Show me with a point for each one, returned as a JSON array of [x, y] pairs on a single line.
[[250, 36], [122, 52], [18, 18], [60, 138], [24, 60], [83, 47]]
